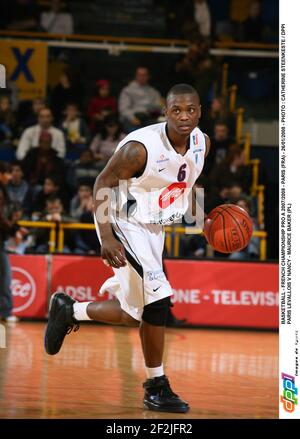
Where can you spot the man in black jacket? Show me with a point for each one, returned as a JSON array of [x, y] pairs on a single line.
[[6, 229]]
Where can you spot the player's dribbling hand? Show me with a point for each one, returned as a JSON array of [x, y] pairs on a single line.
[[113, 253]]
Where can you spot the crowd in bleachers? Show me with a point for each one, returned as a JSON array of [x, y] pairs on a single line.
[[59, 150], [53, 149], [238, 20]]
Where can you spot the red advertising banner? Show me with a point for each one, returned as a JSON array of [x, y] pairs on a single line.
[[79, 276], [225, 293], [29, 285], [209, 293]]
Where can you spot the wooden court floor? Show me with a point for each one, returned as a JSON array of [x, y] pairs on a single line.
[[99, 372]]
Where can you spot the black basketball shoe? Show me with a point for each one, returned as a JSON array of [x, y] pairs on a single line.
[[160, 397], [60, 322]]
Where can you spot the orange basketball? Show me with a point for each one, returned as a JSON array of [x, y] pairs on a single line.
[[228, 228]]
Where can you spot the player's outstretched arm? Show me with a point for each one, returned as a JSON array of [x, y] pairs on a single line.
[[128, 162]]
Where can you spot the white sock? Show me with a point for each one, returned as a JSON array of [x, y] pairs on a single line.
[[153, 372], [80, 311]]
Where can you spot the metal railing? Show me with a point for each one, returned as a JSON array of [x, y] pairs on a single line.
[[116, 45], [173, 235], [239, 124], [43, 225], [70, 226], [177, 232]]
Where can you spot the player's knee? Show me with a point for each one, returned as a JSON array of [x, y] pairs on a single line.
[[156, 313], [127, 320]]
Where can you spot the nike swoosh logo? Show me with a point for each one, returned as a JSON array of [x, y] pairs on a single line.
[[161, 169], [155, 289]]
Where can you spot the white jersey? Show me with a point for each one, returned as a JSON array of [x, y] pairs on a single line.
[[160, 194]]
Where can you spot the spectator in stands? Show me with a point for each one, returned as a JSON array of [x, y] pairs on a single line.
[[55, 21], [207, 71], [7, 120], [83, 171], [52, 187], [185, 68], [104, 143], [75, 128], [4, 201], [253, 27], [80, 200], [202, 17], [232, 169], [12, 92], [22, 15], [221, 140], [22, 239], [17, 187], [217, 112], [6, 229], [235, 192], [43, 161], [28, 114], [214, 196], [221, 143], [139, 103], [54, 212], [86, 241], [252, 250], [176, 15], [101, 105], [5, 174], [62, 94], [31, 136]]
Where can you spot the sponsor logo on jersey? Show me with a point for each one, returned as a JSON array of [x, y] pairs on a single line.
[[170, 194], [154, 275], [174, 217], [163, 160]]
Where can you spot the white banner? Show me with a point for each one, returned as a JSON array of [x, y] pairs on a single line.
[[289, 211]]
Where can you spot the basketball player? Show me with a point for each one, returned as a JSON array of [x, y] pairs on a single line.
[[163, 156]]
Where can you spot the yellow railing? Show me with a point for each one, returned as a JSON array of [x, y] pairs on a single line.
[[261, 205], [70, 226], [177, 232], [255, 175], [256, 189], [225, 90], [93, 38], [171, 232], [224, 86], [43, 225], [241, 45], [138, 40], [232, 97], [239, 112], [247, 147], [239, 124]]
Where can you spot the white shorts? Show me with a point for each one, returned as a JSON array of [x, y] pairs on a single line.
[[142, 280]]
